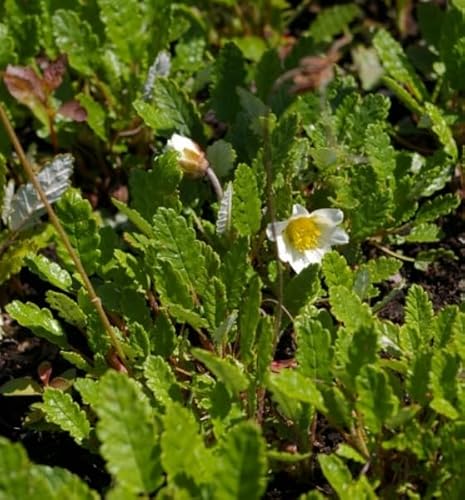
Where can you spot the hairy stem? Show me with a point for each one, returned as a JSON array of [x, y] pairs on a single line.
[[62, 234], [214, 182], [268, 164]]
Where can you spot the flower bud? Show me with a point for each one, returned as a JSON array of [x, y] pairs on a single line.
[[191, 158]]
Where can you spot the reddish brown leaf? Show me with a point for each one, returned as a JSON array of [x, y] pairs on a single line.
[[45, 372], [73, 110], [25, 85], [53, 71]]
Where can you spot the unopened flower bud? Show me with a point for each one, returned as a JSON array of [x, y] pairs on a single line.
[[191, 158]]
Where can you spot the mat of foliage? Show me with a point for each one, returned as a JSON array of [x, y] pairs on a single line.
[[218, 372]]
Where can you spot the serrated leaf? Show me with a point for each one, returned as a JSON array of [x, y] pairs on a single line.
[[336, 472], [295, 385], [441, 129], [441, 205], [170, 111], [79, 222], [302, 289], [246, 214], [224, 218], [60, 409], [348, 308], [346, 451], [135, 217], [452, 45], [54, 179], [49, 271], [74, 37], [229, 73], [161, 380], [128, 433], [333, 20], [223, 369], [419, 326], [67, 309], [234, 271], [382, 268], [444, 376], [314, 352], [268, 69], [221, 157], [183, 450], [241, 466], [336, 270], [423, 233], [361, 351], [95, 115], [249, 316], [376, 402], [397, 65], [22, 386], [40, 321]]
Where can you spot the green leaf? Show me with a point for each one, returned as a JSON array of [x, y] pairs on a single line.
[[337, 473], [74, 37], [89, 389], [230, 373], [362, 350], [268, 69], [295, 385], [382, 268], [135, 217], [40, 321], [170, 111], [302, 289], [418, 329], [336, 270], [221, 157], [49, 271], [249, 316], [333, 20], [441, 205], [7, 51], [241, 465], [161, 380], [61, 410], [265, 348], [183, 450], [376, 402], [22, 386], [314, 352], [348, 308], [128, 433], [67, 309], [95, 115], [444, 376], [79, 222], [246, 214], [234, 271], [397, 65], [229, 73], [452, 45], [423, 233], [439, 126], [346, 451]]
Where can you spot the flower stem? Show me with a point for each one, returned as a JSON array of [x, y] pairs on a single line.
[[392, 253], [210, 173], [62, 234]]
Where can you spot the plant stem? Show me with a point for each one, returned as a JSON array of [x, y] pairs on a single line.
[[268, 165], [214, 182], [62, 234], [392, 253]]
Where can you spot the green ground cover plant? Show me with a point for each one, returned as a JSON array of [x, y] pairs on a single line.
[[187, 190]]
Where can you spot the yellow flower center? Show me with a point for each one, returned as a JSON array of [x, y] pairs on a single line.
[[303, 233]]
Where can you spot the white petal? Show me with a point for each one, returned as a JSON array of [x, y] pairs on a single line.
[[299, 210], [284, 250], [279, 227], [299, 263], [316, 256], [339, 237], [180, 143], [331, 216]]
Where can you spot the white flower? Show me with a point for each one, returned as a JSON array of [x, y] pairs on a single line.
[[191, 157], [305, 237]]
